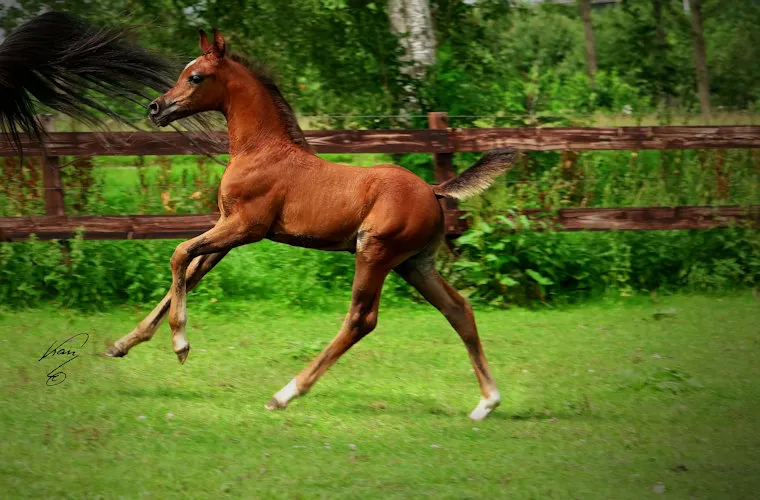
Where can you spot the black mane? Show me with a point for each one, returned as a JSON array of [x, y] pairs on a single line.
[[262, 74]]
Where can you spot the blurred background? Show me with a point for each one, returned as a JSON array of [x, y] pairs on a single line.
[[487, 63], [512, 62]]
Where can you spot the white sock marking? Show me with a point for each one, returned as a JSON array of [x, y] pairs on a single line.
[[287, 393], [486, 406]]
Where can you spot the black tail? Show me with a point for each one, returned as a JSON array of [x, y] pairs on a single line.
[[479, 176], [68, 65]]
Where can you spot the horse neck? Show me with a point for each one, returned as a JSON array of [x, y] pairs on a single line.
[[253, 120]]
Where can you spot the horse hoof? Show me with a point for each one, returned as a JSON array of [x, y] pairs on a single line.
[[485, 407], [273, 404], [182, 355], [115, 352]]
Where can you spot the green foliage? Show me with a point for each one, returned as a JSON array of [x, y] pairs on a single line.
[[94, 275], [733, 40], [502, 260], [631, 46], [338, 57], [505, 261]]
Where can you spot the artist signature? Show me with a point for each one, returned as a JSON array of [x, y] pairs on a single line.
[[56, 376]]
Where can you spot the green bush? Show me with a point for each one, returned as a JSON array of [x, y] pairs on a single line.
[[99, 274], [507, 260], [502, 261]]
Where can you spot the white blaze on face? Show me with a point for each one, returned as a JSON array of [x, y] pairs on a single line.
[[191, 63]]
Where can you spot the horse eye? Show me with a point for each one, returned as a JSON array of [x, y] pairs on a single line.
[[195, 79]]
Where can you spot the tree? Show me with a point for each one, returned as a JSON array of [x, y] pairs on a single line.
[[700, 57], [412, 23], [661, 53], [734, 27], [585, 8]]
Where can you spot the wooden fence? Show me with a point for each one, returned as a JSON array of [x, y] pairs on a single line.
[[439, 139]]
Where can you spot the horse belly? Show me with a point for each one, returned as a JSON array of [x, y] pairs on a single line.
[[307, 241]]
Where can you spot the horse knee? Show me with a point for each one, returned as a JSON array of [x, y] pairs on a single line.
[[180, 258]]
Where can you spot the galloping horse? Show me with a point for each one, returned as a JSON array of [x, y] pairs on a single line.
[[274, 187]]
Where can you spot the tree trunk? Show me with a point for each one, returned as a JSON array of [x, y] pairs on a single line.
[[700, 57], [585, 8], [661, 55], [412, 22]]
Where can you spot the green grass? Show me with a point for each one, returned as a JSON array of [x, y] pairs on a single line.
[[599, 401]]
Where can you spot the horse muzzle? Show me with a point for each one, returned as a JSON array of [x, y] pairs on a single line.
[[162, 113]]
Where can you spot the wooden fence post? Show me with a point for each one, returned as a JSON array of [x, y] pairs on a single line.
[[443, 171], [444, 162], [51, 176]]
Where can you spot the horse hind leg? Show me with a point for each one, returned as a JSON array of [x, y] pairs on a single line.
[[420, 272], [359, 322], [145, 330]]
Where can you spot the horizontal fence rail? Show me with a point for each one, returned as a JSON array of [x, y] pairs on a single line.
[[450, 140], [439, 139], [118, 227]]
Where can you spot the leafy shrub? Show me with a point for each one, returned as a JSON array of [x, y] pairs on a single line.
[[503, 260], [507, 260]]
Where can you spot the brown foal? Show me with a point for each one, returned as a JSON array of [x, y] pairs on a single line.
[[275, 187]]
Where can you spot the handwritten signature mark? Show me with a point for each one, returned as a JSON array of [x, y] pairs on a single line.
[[56, 376]]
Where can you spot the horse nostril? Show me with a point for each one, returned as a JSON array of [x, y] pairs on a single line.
[[153, 108]]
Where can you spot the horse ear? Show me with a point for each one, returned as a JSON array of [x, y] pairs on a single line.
[[219, 45], [203, 42]]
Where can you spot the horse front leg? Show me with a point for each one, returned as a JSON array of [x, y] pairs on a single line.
[[145, 330], [227, 234]]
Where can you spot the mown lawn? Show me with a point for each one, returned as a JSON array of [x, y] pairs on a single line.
[[599, 401]]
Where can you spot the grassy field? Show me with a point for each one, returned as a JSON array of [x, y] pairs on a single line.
[[599, 401]]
